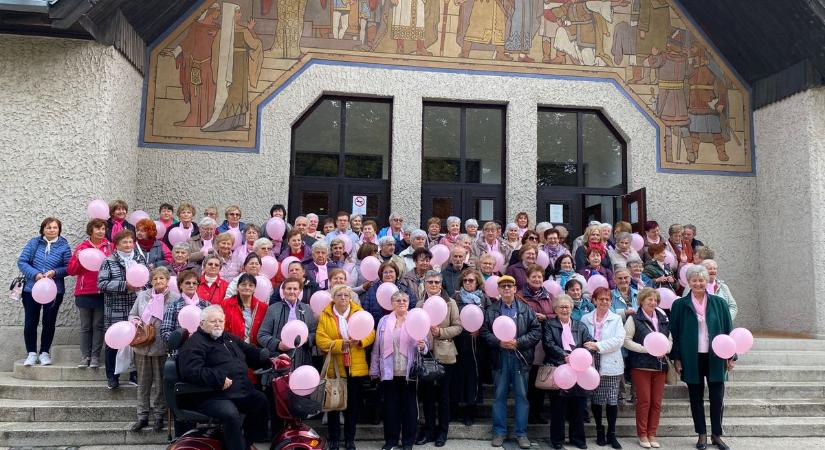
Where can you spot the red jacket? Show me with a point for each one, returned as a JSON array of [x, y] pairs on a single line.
[[86, 279], [234, 318], [213, 295]]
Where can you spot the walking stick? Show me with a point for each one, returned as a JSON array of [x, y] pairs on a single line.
[[443, 27]]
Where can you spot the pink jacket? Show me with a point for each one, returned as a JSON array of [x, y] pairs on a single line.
[[86, 279]]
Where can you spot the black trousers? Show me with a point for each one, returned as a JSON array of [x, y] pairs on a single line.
[[351, 414], [437, 392], [239, 434], [566, 408], [31, 319], [716, 395], [400, 411], [535, 396]]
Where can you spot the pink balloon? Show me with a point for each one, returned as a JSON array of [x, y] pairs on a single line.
[[724, 346], [656, 344], [263, 288], [743, 339], [564, 376], [238, 237], [553, 287], [441, 253], [504, 328], [499, 262], [543, 259], [581, 359], [472, 317], [588, 379], [137, 275], [360, 325], [91, 259], [596, 281], [436, 308], [304, 380], [44, 291], [136, 216], [417, 324], [666, 297], [369, 268], [491, 286], [637, 242], [285, 264], [318, 301], [269, 266], [177, 235], [120, 334], [384, 295], [161, 229], [670, 259], [293, 329], [97, 209], [683, 274], [275, 228], [173, 285], [347, 242], [189, 318]]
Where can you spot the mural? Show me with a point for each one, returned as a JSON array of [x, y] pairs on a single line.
[[208, 75]]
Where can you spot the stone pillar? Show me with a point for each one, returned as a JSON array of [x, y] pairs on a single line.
[[520, 161]]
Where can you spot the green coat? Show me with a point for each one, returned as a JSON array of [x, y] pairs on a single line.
[[684, 329]]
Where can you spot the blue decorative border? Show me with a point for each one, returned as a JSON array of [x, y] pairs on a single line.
[[595, 79]]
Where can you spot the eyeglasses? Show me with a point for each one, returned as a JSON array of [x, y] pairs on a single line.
[[388, 272], [213, 264], [507, 286], [189, 283], [235, 214], [532, 238], [433, 282], [469, 280], [397, 220], [563, 307], [400, 300]]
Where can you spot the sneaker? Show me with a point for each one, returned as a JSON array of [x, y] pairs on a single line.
[[113, 383], [45, 359], [31, 359], [84, 362], [94, 362], [523, 442], [498, 441]]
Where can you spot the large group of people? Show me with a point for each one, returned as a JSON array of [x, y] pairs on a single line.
[[219, 275]]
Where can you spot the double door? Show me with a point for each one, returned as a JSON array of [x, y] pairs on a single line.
[[325, 197], [478, 201], [574, 208]]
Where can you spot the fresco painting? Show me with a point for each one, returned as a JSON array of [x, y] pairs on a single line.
[[208, 75]]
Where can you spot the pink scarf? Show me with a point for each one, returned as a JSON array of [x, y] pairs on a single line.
[[321, 276], [597, 325], [154, 308], [700, 308], [190, 300], [492, 248], [207, 245], [389, 333], [373, 239], [567, 341], [654, 319], [117, 227], [712, 287]]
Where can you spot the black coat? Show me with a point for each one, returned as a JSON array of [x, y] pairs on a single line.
[[110, 224], [528, 333], [206, 361], [554, 353], [643, 327], [310, 287]]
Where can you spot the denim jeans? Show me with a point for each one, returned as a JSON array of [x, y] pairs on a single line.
[[510, 372], [32, 318]]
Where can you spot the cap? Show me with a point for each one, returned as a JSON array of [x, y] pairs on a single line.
[[506, 279]]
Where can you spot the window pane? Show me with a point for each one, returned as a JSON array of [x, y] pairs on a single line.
[[485, 209], [367, 140], [443, 207], [604, 208], [317, 141], [441, 141], [484, 145], [602, 153], [557, 160], [315, 202], [558, 213]]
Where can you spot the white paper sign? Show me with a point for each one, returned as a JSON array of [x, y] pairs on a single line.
[[556, 213], [634, 212], [359, 204]]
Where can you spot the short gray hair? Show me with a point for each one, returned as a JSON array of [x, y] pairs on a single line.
[[386, 240], [418, 233], [457, 248], [321, 245], [205, 312], [433, 274], [312, 216], [353, 216], [182, 246], [696, 271], [259, 243], [511, 226], [621, 269], [706, 262], [464, 237], [399, 294], [395, 215], [605, 225], [691, 227], [453, 219], [541, 227], [207, 222], [624, 235], [562, 298], [469, 222]]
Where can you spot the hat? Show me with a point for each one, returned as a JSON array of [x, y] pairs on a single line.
[[506, 279]]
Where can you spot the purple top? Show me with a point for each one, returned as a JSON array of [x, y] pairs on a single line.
[[383, 367]]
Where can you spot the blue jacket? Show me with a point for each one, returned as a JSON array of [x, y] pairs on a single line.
[[224, 227], [34, 260]]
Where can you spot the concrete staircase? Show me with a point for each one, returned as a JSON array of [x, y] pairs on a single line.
[[776, 390]]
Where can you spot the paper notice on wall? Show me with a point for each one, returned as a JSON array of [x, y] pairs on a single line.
[[556, 213], [634, 212], [359, 204]]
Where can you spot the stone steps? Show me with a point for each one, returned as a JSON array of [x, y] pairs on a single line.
[[14, 388], [780, 344], [783, 357]]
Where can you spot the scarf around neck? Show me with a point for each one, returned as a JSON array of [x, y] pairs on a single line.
[[389, 332], [700, 307], [470, 298], [190, 300], [49, 244], [567, 341], [155, 307], [343, 325], [598, 324]]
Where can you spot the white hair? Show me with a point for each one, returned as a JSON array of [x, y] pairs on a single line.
[[321, 245], [418, 233], [260, 242], [606, 225], [453, 219], [205, 312], [312, 216], [696, 271], [395, 215], [469, 222], [207, 221], [541, 227]]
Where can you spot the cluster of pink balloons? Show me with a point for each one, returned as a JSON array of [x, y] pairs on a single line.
[[304, 380], [384, 294], [441, 253], [137, 275], [44, 291], [120, 334], [739, 341], [292, 330], [579, 370]]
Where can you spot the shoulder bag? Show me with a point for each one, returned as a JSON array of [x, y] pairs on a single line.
[[544, 378], [426, 368], [144, 335], [335, 389]]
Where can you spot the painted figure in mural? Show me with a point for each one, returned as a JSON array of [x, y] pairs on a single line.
[[368, 15], [239, 66], [524, 19], [707, 104], [487, 26], [582, 28], [340, 17], [652, 30], [319, 15], [408, 24], [287, 42], [465, 9], [549, 27], [671, 103], [193, 59]]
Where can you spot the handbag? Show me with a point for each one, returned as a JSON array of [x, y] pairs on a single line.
[[335, 389], [426, 368], [16, 287], [672, 377], [144, 335], [544, 378]]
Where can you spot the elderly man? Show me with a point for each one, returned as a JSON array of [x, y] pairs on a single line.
[[221, 361], [296, 270], [341, 228], [451, 274], [302, 225], [418, 239]]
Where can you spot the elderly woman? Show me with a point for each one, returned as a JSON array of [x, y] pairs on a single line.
[[386, 249], [563, 271], [118, 294], [154, 250], [487, 265], [414, 279], [186, 212], [368, 233], [659, 272], [116, 223], [647, 371], [564, 234], [250, 234], [651, 236], [166, 215], [444, 351], [180, 260], [395, 229], [277, 316], [511, 236], [623, 301], [540, 301], [581, 306], [87, 296], [608, 335], [338, 256], [188, 285], [472, 356], [312, 226], [592, 240], [529, 237], [201, 243], [44, 256], [418, 239], [638, 279], [453, 230], [211, 211], [251, 266], [348, 359], [357, 279], [607, 235], [490, 242], [212, 288], [244, 312], [527, 256], [338, 277], [522, 222], [434, 234], [296, 247], [695, 320], [674, 244], [387, 273], [552, 246], [719, 287], [317, 268], [702, 253], [223, 244], [393, 356], [471, 228], [594, 266], [232, 220], [356, 222], [622, 254], [561, 336], [149, 359]]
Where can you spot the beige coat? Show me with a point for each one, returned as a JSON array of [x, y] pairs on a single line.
[[443, 347]]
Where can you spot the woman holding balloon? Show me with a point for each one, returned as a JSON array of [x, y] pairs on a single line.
[[201, 243], [84, 264], [278, 317], [172, 320], [375, 302], [43, 263], [188, 228], [660, 272], [345, 334], [541, 302], [472, 355], [696, 320], [608, 334], [244, 312]]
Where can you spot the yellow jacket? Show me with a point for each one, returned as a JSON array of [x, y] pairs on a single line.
[[327, 335]]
